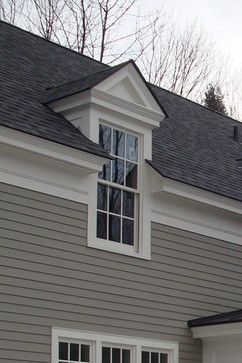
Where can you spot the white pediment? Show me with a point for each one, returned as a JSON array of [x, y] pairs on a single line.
[[125, 90], [127, 84]]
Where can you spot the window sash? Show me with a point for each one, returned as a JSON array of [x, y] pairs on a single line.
[[125, 159], [123, 217], [133, 226]]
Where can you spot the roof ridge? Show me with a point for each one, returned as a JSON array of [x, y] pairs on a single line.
[[52, 42], [196, 103]]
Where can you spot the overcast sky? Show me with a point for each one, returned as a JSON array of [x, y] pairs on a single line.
[[222, 20]]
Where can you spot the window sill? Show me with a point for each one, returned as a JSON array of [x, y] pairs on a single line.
[[116, 247]]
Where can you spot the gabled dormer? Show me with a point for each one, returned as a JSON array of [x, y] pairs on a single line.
[[116, 109]]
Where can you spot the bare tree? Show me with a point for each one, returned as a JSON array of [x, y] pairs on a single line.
[[178, 60], [181, 59], [11, 10], [42, 16]]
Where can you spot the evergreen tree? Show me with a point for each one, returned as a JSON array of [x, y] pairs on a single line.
[[214, 99]]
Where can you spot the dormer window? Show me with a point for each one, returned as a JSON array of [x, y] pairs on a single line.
[[118, 187]]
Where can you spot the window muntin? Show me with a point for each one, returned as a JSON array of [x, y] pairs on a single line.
[[116, 354], [72, 352], [153, 357], [117, 195], [124, 148]]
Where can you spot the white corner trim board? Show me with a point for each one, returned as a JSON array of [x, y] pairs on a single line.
[[97, 340]]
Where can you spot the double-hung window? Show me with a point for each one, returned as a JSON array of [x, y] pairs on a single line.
[[118, 187]]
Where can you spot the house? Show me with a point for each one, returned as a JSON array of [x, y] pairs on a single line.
[[120, 215]]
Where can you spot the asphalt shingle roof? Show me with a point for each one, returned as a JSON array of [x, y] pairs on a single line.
[[234, 316], [80, 84], [193, 144], [29, 64]]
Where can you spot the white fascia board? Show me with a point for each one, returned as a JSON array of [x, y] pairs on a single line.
[[71, 102], [173, 187], [106, 101], [86, 162], [218, 330]]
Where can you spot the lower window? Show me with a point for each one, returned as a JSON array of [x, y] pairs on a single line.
[[70, 346]]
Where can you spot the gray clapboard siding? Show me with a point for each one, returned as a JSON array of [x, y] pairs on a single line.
[[49, 277]]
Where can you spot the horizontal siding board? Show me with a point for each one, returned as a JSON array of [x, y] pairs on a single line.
[[191, 258], [141, 308], [194, 250], [98, 316], [163, 303], [24, 329], [96, 324], [51, 278], [24, 348], [26, 237], [67, 251], [29, 220], [10, 353], [192, 238], [43, 232], [44, 215], [40, 197], [41, 204], [119, 286], [62, 267], [154, 276]]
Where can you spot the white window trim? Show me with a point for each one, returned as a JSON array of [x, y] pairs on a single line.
[[142, 249], [99, 339]]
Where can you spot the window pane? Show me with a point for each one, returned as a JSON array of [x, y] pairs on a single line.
[[105, 174], [131, 147], [145, 357], [63, 351], [128, 232], [74, 352], [131, 175], [163, 358], [118, 143], [85, 353], [105, 137], [125, 356], [115, 200], [114, 228], [118, 171], [105, 355], [154, 357], [101, 225], [116, 355], [128, 204], [102, 191]]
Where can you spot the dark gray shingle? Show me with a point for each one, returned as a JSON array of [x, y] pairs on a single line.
[[195, 146], [28, 64]]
